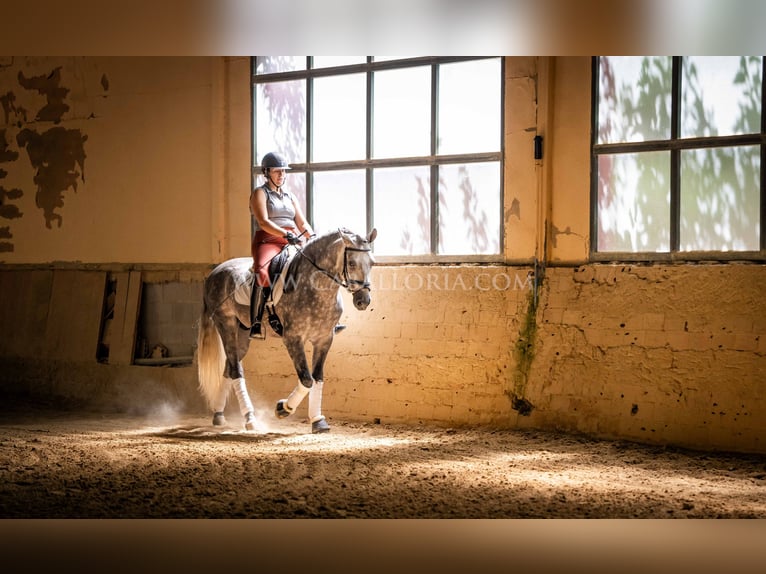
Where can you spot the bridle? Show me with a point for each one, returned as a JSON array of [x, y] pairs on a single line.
[[347, 283]]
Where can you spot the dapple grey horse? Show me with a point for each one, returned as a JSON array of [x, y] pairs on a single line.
[[309, 310]]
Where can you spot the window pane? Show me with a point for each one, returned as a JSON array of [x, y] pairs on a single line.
[[296, 184], [340, 109], [470, 107], [402, 116], [469, 209], [280, 120], [276, 64], [330, 61], [634, 202], [720, 199], [721, 96], [339, 201], [634, 98], [403, 209]]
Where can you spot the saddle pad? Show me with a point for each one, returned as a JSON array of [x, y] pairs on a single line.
[[243, 292]]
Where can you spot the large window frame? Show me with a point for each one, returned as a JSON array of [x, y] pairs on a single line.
[[433, 161], [675, 145]]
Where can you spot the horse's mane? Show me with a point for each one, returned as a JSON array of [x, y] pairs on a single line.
[[322, 242]]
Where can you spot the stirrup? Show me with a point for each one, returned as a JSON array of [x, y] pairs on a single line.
[[276, 324], [256, 331]]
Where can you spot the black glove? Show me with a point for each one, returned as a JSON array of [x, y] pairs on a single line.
[[292, 239]]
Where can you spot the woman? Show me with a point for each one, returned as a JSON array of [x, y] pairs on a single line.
[[279, 220]]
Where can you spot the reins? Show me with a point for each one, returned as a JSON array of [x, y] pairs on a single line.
[[346, 283]]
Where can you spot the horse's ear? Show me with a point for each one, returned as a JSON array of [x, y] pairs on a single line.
[[373, 234], [345, 237]]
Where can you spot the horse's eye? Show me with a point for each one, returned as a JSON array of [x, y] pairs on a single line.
[[352, 264]]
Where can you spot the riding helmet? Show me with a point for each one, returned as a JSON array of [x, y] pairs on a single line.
[[273, 159]]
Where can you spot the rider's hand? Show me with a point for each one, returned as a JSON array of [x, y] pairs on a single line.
[[292, 239]]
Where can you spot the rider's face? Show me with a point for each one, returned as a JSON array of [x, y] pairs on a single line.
[[277, 175]]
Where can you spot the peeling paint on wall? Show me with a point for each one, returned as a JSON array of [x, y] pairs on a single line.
[[7, 210], [48, 86], [57, 154]]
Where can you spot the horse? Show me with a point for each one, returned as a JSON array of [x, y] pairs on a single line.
[[308, 310]]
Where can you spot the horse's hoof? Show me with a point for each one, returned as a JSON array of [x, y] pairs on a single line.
[[281, 410], [249, 421], [218, 419], [320, 426]]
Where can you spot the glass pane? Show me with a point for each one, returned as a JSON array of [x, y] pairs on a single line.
[[340, 111], [339, 201], [470, 107], [721, 96], [277, 64], [720, 199], [402, 104], [469, 209], [634, 98], [403, 209], [330, 61], [280, 120], [634, 202]]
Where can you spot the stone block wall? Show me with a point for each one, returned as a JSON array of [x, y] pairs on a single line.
[[664, 354]]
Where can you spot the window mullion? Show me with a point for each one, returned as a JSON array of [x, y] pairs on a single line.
[[763, 154], [434, 168], [594, 213], [675, 157], [370, 215], [309, 150]]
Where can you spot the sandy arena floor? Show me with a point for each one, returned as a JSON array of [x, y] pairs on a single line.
[[56, 464]]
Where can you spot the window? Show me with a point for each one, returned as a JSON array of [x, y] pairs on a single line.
[[412, 146], [679, 146]]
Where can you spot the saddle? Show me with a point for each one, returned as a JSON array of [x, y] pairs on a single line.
[[279, 271]]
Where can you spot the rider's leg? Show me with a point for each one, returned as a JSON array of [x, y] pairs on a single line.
[[257, 302], [264, 251]]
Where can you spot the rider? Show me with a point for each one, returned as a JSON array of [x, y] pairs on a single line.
[[279, 220]]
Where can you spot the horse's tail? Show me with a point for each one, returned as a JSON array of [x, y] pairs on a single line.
[[211, 359]]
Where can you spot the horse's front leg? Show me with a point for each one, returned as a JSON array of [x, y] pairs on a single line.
[[297, 351], [318, 421]]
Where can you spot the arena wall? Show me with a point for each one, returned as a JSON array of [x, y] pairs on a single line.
[[671, 353]]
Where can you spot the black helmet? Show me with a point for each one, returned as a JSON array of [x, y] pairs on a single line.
[[273, 159]]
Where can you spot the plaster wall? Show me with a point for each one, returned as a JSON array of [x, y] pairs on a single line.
[[118, 160]]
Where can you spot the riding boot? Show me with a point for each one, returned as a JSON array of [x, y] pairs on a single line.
[[257, 302]]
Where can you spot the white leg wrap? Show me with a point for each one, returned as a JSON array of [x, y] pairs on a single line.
[[223, 393], [296, 397], [245, 406], [315, 402]]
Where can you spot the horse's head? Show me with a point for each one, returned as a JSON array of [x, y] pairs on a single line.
[[358, 262]]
